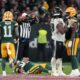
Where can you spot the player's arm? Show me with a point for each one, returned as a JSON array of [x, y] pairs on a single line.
[[22, 17], [16, 33], [60, 28], [19, 70], [19, 19], [16, 30], [19, 67]]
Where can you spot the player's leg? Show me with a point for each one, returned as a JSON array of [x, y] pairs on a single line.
[[20, 50], [53, 66], [47, 68], [53, 59], [37, 69], [44, 52], [34, 70], [59, 67], [78, 53], [39, 51], [75, 70], [12, 55], [26, 48], [59, 54], [78, 50], [4, 55]]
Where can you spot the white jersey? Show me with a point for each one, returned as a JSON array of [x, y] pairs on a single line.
[[55, 34]]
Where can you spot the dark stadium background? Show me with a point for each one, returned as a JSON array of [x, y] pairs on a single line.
[[22, 5]]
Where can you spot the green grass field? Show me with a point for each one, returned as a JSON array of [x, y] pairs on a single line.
[[66, 68]]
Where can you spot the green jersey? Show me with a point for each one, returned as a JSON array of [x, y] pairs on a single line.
[[25, 66], [8, 30], [28, 66], [78, 30], [31, 68]]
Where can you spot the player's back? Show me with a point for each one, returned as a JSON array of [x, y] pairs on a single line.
[[7, 30]]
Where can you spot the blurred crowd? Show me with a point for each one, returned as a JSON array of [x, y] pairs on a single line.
[[35, 7]]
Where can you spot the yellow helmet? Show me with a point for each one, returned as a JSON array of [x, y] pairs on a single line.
[[72, 11], [8, 16]]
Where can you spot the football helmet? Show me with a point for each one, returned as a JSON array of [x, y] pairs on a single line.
[[57, 12], [8, 16], [71, 11]]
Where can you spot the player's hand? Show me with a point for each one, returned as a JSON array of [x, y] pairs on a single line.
[[16, 41], [50, 72], [60, 28]]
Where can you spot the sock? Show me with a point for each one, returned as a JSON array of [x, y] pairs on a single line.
[[53, 65], [74, 62], [78, 55], [3, 64], [59, 65]]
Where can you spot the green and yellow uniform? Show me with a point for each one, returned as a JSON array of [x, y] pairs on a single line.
[[7, 38], [72, 40], [75, 42], [31, 68]]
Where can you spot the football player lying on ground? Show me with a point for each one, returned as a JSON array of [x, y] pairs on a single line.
[[28, 67]]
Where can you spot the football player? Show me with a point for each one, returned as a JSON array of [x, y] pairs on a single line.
[[28, 67], [58, 38], [72, 39], [9, 31]]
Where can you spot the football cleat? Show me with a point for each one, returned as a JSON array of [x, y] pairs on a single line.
[[54, 74], [75, 73], [62, 74], [4, 73]]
